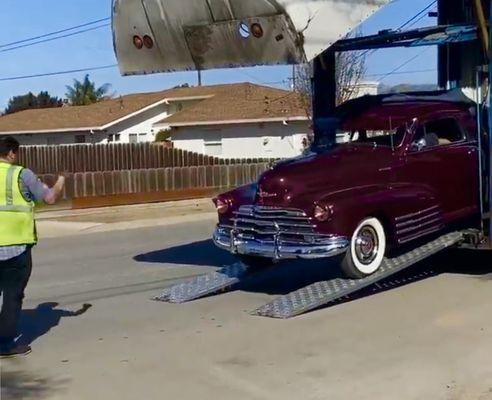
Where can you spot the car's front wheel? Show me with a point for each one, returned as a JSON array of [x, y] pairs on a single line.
[[367, 249]]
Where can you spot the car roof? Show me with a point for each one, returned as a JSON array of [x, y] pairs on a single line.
[[392, 110]]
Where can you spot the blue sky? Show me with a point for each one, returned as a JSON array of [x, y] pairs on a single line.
[[20, 19]]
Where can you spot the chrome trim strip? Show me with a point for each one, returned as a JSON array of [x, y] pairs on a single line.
[[279, 249], [267, 217], [420, 234], [259, 222], [417, 227], [273, 210], [416, 213], [284, 232], [414, 221]]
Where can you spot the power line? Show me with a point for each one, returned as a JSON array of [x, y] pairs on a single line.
[[54, 33], [55, 38], [16, 78], [417, 71], [416, 16], [403, 64], [422, 15]]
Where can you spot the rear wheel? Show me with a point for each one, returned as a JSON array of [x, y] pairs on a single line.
[[255, 262], [367, 249]]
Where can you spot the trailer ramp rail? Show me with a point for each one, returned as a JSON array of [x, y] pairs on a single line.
[[310, 297]]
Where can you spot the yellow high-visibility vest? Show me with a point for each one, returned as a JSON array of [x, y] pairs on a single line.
[[17, 225]]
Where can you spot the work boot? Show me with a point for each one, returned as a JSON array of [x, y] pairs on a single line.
[[14, 350]]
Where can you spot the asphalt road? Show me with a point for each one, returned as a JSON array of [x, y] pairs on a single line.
[[425, 335]]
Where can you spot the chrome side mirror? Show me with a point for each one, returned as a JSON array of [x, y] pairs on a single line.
[[418, 145]]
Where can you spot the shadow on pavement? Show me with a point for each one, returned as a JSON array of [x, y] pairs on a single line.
[[39, 321], [287, 277], [23, 385], [203, 253]]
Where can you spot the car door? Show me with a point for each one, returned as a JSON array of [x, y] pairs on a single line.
[[444, 160]]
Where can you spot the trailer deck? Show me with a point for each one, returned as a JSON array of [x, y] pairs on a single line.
[[310, 297]]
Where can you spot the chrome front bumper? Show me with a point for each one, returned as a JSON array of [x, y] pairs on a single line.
[[319, 246]]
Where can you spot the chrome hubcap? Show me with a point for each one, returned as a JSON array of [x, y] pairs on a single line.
[[366, 245]]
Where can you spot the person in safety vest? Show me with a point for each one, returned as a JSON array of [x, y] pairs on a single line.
[[20, 189]]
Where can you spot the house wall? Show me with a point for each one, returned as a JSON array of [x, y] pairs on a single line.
[[139, 127], [271, 139]]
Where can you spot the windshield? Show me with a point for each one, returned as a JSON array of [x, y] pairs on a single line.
[[379, 137], [333, 132]]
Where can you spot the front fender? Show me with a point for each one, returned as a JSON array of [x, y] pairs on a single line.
[[235, 198], [384, 202]]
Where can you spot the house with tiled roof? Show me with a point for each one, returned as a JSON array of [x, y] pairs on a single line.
[[231, 120]]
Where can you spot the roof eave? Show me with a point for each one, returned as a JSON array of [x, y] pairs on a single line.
[[166, 100], [63, 130], [230, 122]]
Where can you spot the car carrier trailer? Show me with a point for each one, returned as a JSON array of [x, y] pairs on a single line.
[[169, 35]]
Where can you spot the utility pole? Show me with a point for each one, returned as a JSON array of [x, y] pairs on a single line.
[[294, 76]]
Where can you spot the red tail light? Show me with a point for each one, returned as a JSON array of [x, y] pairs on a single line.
[[138, 42], [148, 41], [257, 30]]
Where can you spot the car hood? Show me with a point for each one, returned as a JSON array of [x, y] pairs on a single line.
[[298, 182]]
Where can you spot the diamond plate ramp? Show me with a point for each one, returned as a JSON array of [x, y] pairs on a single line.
[[204, 285], [321, 293]]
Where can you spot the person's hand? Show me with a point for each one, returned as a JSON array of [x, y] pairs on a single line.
[[61, 180]]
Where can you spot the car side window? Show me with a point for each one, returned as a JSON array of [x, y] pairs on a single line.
[[443, 132], [437, 133]]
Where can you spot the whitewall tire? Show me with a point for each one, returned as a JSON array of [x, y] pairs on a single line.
[[367, 249]]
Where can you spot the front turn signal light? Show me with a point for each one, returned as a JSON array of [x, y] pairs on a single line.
[[222, 206]]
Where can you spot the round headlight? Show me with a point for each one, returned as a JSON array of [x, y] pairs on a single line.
[[322, 214]]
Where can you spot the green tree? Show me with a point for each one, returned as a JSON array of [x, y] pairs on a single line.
[[163, 136], [83, 93], [30, 101]]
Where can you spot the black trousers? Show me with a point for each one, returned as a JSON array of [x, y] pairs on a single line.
[[14, 275]]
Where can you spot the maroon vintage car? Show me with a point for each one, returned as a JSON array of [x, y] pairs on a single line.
[[402, 167]]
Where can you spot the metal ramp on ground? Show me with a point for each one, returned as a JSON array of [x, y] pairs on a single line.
[[204, 285], [308, 298], [319, 294]]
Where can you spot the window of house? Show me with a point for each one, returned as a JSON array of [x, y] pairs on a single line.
[[443, 131], [142, 137], [213, 143], [52, 141], [267, 145], [133, 137], [79, 138]]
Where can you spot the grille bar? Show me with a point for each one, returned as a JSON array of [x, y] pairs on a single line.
[[270, 223]]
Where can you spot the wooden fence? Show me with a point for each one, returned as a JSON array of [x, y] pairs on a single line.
[[177, 179], [115, 157]]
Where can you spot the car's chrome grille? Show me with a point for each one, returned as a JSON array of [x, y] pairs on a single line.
[[264, 223]]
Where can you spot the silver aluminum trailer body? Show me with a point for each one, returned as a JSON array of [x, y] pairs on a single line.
[[206, 34]]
